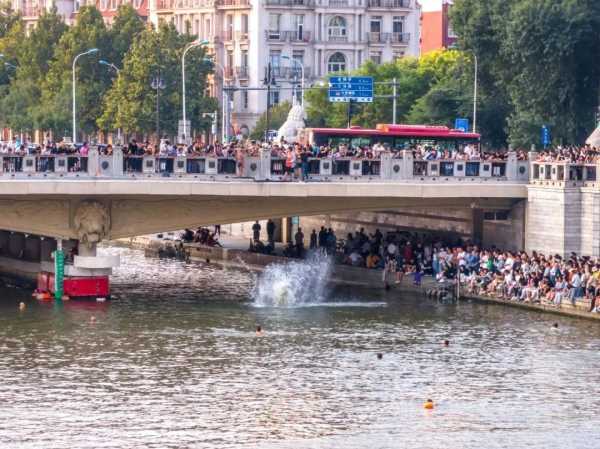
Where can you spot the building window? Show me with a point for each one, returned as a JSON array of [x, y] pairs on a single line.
[[398, 55], [375, 26], [274, 97], [274, 26], [245, 58], [299, 26], [275, 58], [207, 30], [137, 4], [376, 57], [245, 23], [113, 4], [337, 63], [337, 28], [103, 5], [229, 30], [398, 25], [245, 99]]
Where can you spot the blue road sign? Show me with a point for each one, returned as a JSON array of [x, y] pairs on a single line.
[[462, 124], [351, 88], [546, 137]]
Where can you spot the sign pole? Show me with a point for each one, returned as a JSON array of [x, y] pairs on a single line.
[[394, 103], [349, 113], [59, 270]]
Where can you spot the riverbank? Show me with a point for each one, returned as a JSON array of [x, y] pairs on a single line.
[[341, 274]]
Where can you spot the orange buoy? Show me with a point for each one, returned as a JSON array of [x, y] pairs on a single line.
[[428, 404]]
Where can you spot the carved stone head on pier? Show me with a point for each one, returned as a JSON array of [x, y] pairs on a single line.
[[91, 222]]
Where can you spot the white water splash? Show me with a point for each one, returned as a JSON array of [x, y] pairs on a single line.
[[293, 284]]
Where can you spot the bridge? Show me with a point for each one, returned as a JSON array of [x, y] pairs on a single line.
[[98, 197]]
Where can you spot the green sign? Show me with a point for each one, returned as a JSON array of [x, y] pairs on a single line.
[[59, 273]]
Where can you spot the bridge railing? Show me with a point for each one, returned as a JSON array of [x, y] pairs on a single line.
[[264, 166], [563, 173], [29, 165]]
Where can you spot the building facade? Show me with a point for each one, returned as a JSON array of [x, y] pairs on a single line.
[[32, 9], [318, 37], [436, 27]]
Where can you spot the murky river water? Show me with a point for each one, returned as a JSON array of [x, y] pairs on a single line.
[[174, 362]]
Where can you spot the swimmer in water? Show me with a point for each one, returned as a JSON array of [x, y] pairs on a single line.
[[259, 331], [555, 325], [379, 355], [446, 343]]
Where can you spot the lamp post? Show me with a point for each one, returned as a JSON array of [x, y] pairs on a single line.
[[159, 84], [475, 82], [224, 124], [185, 50], [90, 51], [269, 81], [295, 61], [116, 69]]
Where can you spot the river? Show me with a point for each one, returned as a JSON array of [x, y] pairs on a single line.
[[174, 362]]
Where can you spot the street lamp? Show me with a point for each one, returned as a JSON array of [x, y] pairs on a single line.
[[116, 69], [109, 64], [159, 84], [295, 61], [224, 125], [475, 82], [90, 51], [186, 49], [269, 81]]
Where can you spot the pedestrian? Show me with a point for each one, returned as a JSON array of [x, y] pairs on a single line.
[[271, 231], [256, 231]]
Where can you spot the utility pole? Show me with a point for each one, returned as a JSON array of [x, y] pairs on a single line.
[[268, 82], [158, 83], [349, 113], [475, 95], [394, 93]]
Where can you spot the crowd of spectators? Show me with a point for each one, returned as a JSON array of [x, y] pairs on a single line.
[[513, 276], [573, 154]]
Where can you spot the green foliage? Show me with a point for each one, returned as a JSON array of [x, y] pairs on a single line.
[[434, 89], [537, 61], [131, 102], [278, 115], [92, 79], [125, 29]]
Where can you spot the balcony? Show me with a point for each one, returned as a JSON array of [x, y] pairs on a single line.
[[378, 38], [226, 4], [241, 35], [228, 72], [32, 11], [400, 38], [290, 3], [242, 72], [287, 36], [290, 73], [387, 4], [165, 5]]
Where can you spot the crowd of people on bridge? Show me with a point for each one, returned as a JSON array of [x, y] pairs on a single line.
[[585, 154]]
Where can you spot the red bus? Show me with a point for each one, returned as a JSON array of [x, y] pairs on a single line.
[[396, 137]]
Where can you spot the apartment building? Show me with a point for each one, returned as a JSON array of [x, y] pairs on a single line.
[[437, 32], [320, 36], [32, 9]]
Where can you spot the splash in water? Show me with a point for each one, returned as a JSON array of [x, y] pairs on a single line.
[[293, 284]]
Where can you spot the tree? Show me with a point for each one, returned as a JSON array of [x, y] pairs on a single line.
[[535, 63], [131, 102], [20, 107], [277, 116], [125, 29], [92, 79]]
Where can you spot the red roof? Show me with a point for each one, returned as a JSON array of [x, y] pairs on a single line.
[[398, 130]]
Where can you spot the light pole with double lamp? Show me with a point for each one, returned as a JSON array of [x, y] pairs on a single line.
[[295, 61], [116, 69], [185, 50], [88, 52], [269, 82], [224, 98]]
